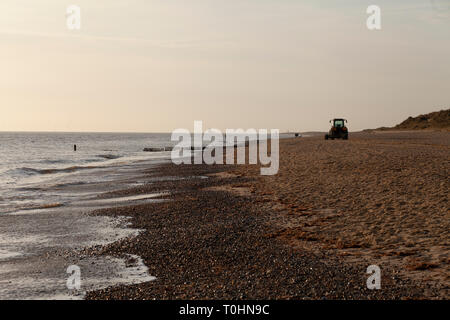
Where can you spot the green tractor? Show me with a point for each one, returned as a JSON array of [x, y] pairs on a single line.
[[338, 130]]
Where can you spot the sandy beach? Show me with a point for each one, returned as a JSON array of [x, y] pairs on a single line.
[[309, 232]]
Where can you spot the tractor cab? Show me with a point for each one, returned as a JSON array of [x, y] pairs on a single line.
[[338, 123], [338, 130]]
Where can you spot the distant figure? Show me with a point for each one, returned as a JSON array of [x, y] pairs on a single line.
[[74, 147]]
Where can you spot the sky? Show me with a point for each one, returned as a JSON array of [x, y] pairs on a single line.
[[158, 65]]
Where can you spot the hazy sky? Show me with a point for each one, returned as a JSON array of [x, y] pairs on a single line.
[[157, 65]]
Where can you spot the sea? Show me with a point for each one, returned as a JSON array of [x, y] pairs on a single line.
[[33, 164], [47, 192]]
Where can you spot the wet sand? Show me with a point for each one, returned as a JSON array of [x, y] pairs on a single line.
[[309, 232]]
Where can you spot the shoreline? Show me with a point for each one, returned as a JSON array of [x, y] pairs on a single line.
[[226, 237], [38, 245]]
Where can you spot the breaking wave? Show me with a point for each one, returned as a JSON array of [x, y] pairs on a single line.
[[54, 170], [109, 156]]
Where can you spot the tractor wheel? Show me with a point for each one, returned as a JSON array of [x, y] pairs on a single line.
[[346, 137], [326, 137]]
